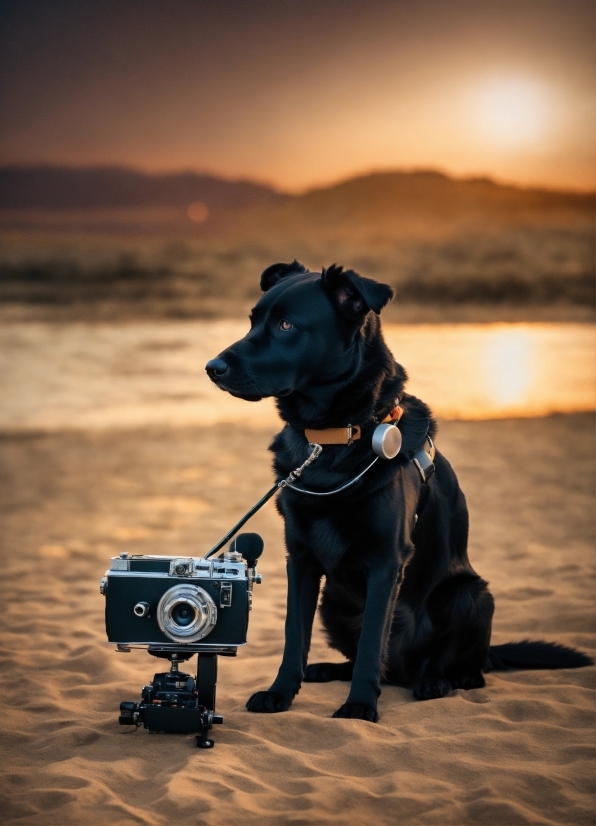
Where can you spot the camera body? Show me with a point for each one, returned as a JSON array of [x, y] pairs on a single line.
[[168, 603]]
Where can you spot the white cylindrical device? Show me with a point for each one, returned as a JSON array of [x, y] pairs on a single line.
[[386, 441]]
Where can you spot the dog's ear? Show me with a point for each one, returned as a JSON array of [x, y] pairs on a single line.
[[354, 295], [276, 272]]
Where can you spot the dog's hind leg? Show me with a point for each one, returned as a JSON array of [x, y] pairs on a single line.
[[341, 613], [464, 675], [303, 593], [468, 681], [461, 610], [327, 672]]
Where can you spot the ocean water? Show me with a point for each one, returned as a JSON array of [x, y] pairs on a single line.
[[95, 376]]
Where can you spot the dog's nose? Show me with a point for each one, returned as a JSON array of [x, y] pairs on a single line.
[[216, 368]]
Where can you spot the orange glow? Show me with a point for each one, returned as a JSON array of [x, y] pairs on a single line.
[[463, 371], [198, 212], [491, 88], [512, 111], [509, 365]]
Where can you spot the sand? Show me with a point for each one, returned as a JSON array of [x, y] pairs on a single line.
[[519, 750]]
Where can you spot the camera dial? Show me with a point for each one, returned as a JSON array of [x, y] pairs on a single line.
[[186, 613]]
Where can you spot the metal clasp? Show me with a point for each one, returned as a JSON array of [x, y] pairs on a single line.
[[432, 451], [423, 460], [295, 474]]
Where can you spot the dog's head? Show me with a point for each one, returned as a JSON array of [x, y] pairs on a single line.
[[303, 332]]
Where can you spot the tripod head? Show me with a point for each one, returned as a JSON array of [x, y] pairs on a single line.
[[174, 657]]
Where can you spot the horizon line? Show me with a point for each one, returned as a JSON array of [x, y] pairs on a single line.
[[371, 172]]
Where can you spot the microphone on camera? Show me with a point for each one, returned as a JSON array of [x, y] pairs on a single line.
[[250, 545]]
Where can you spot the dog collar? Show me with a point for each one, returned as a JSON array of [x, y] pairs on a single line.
[[346, 435]]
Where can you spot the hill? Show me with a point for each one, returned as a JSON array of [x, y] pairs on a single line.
[[107, 242], [383, 204], [422, 204], [64, 188], [119, 201]]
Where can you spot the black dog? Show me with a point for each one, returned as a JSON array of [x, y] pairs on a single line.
[[401, 600]]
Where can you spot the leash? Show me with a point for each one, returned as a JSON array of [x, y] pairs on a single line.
[[421, 459], [286, 483], [295, 474]]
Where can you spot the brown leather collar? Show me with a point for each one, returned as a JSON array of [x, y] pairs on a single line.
[[346, 435]]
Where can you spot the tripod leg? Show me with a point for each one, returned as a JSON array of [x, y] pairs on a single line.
[[207, 680], [206, 683], [203, 741]]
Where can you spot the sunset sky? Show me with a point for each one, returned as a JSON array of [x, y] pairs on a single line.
[[302, 93]]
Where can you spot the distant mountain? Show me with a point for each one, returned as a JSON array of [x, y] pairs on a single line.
[[383, 205], [63, 188], [394, 203], [435, 192]]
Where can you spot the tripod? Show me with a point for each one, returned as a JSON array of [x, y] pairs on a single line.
[[175, 701]]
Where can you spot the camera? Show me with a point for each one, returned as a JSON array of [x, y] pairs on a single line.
[[164, 602], [176, 607]]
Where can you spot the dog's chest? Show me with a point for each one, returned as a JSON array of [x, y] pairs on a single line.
[[326, 536]]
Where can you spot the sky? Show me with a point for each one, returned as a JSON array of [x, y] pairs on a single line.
[[305, 93]]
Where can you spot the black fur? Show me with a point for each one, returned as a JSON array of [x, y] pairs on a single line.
[[534, 654], [400, 599]]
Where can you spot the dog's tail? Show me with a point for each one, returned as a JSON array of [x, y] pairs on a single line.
[[535, 654]]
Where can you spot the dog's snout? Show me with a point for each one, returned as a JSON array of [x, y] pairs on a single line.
[[216, 368]]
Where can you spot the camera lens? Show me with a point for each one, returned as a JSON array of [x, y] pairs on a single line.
[[186, 613], [183, 614]]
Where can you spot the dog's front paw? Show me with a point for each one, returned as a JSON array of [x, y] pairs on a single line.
[[326, 672], [357, 711], [268, 702], [431, 688]]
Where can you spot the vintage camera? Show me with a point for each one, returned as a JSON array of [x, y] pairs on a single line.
[[176, 607]]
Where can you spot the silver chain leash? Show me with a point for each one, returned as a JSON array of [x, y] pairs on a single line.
[[316, 452]]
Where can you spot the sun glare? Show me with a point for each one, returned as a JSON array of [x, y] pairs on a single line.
[[509, 365], [512, 111]]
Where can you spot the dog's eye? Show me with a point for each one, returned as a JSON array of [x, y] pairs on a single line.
[[285, 325]]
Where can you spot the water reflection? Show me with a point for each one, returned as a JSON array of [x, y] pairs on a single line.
[[479, 371], [152, 373], [509, 365]]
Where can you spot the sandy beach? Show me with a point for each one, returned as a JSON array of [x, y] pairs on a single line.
[[518, 751]]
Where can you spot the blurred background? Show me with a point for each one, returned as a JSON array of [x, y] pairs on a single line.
[[155, 157]]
